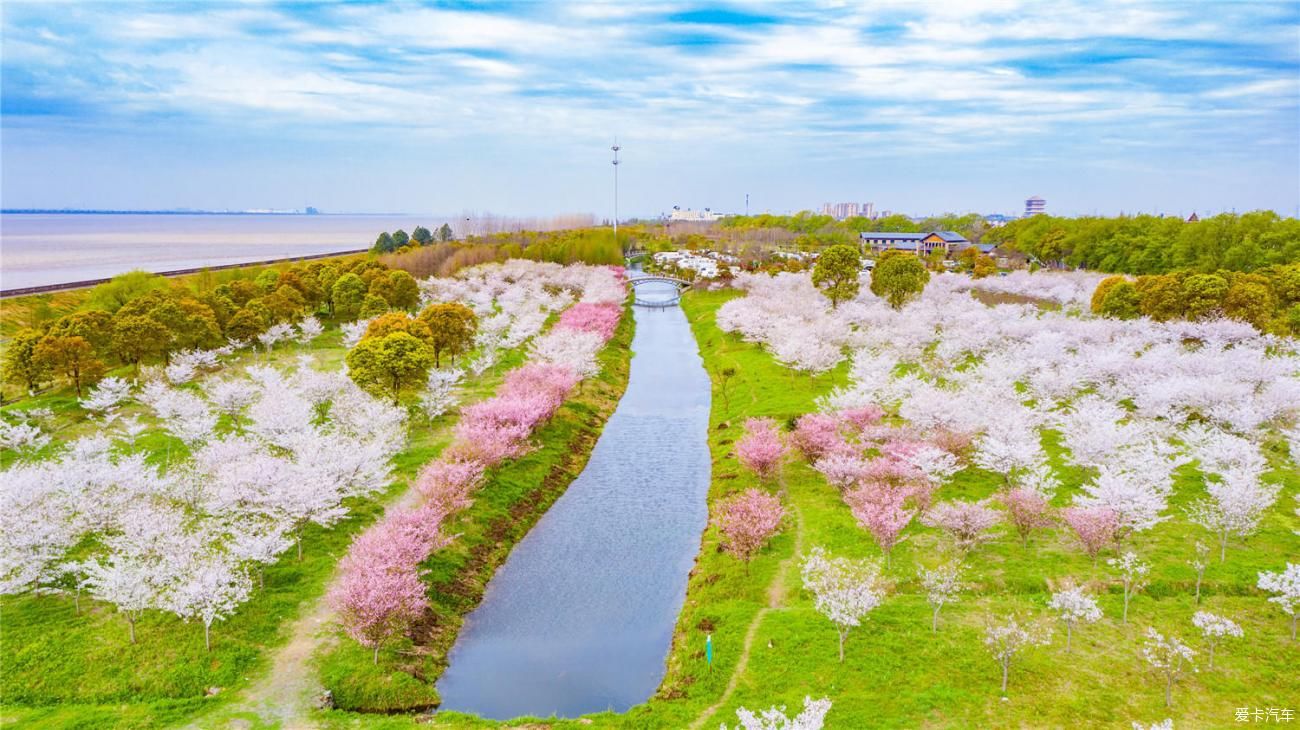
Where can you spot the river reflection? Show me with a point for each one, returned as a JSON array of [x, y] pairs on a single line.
[[580, 617]]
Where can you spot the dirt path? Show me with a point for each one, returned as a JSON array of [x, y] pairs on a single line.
[[286, 694], [776, 591]]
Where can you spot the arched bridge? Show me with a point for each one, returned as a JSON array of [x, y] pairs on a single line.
[[681, 285]]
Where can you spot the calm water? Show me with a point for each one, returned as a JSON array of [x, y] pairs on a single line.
[[42, 249], [580, 617]]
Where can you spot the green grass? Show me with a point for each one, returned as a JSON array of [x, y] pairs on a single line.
[[514, 496]]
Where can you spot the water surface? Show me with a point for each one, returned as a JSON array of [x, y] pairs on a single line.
[[580, 617]]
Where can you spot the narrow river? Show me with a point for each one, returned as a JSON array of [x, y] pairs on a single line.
[[580, 617]]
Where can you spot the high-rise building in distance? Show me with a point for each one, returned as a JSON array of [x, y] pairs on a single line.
[[848, 210], [1035, 206]]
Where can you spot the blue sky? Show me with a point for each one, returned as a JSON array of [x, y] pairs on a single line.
[[1106, 105]]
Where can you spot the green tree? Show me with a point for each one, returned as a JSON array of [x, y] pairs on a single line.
[[93, 326], [390, 365], [836, 273], [116, 292], [246, 325], [384, 244], [1249, 299], [984, 266], [347, 295], [898, 277], [1103, 288], [137, 337], [444, 233], [72, 357], [1203, 294], [452, 326], [268, 280], [1160, 297], [422, 236], [1121, 301], [373, 306], [400, 239], [21, 366], [404, 292]]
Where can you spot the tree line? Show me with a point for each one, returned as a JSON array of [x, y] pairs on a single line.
[[1267, 298], [421, 236], [137, 317], [1148, 244]]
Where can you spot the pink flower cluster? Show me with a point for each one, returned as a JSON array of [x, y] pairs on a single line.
[[1094, 526], [747, 520], [498, 428], [380, 594], [601, 318], [760, 450]]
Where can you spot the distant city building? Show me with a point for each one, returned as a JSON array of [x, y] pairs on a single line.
[[1035, 206], [841, 211], [922, 244], [998, 219], [693, 216], [309, 210]]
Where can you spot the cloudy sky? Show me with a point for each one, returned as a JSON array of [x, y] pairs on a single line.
[[1098, 105]]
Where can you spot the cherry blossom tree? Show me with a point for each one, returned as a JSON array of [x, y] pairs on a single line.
[[1132, 574], [1165, 724], [1094, 527], [231, 396], [1136, 499], [1286, 586], [818, 434], [942, 586], [879, 509], [210, 587], [1009, 636], [968, 523], [774, 718], [844, 590], [842, 470], [747, 521], [760, 450], [1235, 506], [128, 582], [309, 328], [1074, 606], [1010, 443], [108, 396], [1027, 510], [1199, 562], [1215, 629], [1168, 657], [440, 392], [448, 483]]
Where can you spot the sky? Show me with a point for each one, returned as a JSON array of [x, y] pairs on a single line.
[[1098, 106]]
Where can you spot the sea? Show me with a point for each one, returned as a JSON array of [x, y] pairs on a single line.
[[38, 249]]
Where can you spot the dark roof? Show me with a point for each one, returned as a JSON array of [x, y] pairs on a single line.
[[986, 247], [947, 236]]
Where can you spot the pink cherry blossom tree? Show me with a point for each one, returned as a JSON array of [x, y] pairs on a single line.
[[879, 509], [842, 470], [747, 521], [760, 450], [1027, 510], [968, 523], [818, 434], [1095, 527]]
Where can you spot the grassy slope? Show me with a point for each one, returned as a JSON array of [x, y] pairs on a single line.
[[62, 666], [515, 496]]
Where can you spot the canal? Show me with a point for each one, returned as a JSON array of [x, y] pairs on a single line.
[[580, 616]]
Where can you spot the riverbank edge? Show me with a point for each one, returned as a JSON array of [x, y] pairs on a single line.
[[505, 509]]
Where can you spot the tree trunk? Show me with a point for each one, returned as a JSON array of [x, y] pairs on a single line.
[[207, 636], [376, 659], [1223, 547], [1169, 691], [1006, 664], [1069, 633], [131, 622], [1125, 619], [1293, 618], [934, 624], [297, 538], [1198, 587], [842, 633]]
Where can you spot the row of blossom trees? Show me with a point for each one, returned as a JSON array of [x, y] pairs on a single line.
[[380, 593]]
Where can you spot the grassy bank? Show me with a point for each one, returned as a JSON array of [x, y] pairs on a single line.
[[511, 501]]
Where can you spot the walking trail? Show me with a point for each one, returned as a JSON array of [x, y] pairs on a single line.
[[776, 593]]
